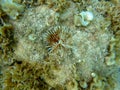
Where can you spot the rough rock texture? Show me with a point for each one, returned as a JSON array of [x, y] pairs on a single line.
[[51, 53]]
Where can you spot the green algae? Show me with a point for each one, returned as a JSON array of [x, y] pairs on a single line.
[[11, 8]]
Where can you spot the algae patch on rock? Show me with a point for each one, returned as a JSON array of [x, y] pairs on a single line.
[[51, 53], [12, 8]]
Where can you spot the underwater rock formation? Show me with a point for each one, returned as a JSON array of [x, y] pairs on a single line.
[[46, 50]]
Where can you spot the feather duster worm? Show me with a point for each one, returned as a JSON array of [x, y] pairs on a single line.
[[58, 38]]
